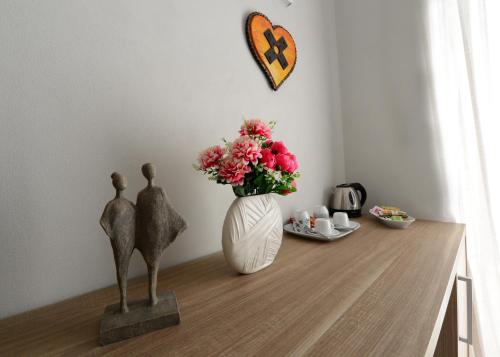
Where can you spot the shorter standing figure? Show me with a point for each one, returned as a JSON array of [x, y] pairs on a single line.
[[118, 221]]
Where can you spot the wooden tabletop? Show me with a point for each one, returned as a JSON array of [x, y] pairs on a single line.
[[376, 292]]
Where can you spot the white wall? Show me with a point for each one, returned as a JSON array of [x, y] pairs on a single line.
[[92, 87], [390, 145]]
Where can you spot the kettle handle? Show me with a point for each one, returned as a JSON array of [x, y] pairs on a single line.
[[359, 187]]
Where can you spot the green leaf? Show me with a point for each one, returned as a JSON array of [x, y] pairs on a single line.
[[239, 191]]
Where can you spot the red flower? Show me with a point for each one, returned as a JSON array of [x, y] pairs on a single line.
[[294, 164], [287, 162], [268, 158], [278, 147]]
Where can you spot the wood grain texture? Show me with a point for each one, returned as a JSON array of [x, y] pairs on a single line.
[[378, 292], [447, 345]]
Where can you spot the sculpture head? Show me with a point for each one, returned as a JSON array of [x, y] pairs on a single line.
[[149, 172], [119, 181]]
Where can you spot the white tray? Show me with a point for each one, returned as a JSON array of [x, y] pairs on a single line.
[[315, 236]]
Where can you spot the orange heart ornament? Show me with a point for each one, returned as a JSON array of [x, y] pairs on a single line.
[[272, 46]]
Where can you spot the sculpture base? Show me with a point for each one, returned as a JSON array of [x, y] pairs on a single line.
[[141, 319]]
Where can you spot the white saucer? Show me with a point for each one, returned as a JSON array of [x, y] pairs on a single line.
[[333, 234], [352, 226]]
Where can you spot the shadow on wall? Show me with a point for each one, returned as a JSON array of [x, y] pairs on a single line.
[[390, 134]]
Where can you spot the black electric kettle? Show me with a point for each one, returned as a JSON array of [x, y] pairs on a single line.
[[348, 198]]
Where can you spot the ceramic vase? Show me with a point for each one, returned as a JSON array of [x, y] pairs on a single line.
[[252, 233]]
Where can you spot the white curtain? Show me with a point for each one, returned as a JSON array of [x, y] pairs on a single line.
[[464, 45]]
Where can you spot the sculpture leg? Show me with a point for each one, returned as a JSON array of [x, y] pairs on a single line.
[[122, 284], [153, 274], [121, 277], [122, 258]]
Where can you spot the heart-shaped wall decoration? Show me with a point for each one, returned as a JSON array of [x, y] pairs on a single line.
[[273, 47]]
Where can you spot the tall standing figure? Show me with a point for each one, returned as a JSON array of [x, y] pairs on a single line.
[[118, 221], [157, 225]]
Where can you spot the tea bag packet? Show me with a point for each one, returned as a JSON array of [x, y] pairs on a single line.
[[391, 212]]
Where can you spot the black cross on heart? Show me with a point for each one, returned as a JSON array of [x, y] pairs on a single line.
[[272, 47], [281, 45]]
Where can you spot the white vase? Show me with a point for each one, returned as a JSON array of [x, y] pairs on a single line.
[[252, 233]]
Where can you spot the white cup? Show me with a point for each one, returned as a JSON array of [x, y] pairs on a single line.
[[301, 220], [341, 219], [323, 226], [320, 212]]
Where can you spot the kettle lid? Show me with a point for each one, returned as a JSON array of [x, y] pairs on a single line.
[[345, 185]]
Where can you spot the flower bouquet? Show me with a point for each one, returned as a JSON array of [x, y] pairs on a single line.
[[253, 164]]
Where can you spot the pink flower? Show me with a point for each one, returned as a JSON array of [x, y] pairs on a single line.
[[210, 157], [246, 149], [268, 158], [278, 147], [233, 171], [287, 162], [255, 127]]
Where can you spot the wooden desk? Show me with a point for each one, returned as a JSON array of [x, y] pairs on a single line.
[[378, 292]]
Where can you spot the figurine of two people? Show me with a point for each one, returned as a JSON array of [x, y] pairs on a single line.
[[150, 226]]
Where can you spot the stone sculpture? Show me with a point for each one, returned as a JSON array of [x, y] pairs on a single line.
[[150, 226], [118, 221], [158, 224]]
